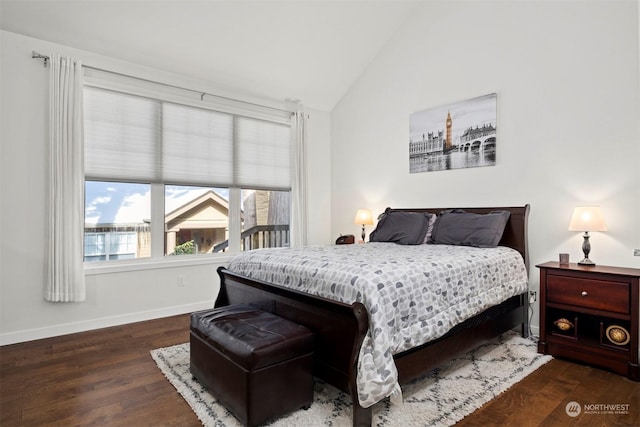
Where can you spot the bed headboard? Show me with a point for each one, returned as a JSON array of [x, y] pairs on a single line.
[[515, 232]]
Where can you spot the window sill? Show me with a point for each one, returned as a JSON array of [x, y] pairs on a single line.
[[107, 267]]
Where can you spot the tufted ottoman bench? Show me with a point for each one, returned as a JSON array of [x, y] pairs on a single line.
[[256, 363]]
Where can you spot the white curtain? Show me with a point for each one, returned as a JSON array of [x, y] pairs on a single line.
[[65, 234], [299, 179]]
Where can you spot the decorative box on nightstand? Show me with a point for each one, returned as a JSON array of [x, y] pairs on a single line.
[[345, 239], [591, 314]]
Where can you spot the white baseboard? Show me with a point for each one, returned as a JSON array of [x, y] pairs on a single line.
[[105, 322]]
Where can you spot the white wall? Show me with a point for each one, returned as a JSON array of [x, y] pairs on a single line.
[[318, 156], [566, 75], [112, 298]]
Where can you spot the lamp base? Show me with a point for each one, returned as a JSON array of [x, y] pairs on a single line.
[[586, 248]]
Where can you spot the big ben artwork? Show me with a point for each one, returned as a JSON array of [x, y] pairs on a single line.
[[448, 145], [454, 136]]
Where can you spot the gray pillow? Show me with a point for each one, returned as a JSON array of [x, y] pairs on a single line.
[[458, 227], [404, 228]]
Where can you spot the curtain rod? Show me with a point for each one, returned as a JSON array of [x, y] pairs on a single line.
[[45, 58]]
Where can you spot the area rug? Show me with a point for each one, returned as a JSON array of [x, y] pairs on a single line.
[[441, 398]]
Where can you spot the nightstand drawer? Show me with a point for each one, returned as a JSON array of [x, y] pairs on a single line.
[[596, 294]]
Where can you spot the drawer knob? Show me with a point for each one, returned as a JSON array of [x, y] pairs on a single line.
[[584, 293]]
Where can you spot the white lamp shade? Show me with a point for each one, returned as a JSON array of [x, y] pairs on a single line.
[[587, 218], [363, 217]]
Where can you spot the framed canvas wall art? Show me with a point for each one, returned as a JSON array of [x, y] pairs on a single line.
[[454, 136]]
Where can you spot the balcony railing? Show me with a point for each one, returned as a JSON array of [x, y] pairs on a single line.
[[260, 236]]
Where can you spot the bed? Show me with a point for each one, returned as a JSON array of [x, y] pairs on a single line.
[[342, 329]]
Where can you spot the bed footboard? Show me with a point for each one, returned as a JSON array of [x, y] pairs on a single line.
[[339, 328]]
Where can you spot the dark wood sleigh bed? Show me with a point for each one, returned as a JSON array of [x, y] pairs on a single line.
[[340, 328]]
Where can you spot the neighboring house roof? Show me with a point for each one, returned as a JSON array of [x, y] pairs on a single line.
[[191, 204], [209, 210]]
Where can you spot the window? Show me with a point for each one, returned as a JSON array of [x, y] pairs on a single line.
[[196, 220], [165, 178], [265, 222], [116, 221], [110, 245]]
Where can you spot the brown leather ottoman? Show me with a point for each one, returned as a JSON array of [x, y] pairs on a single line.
[[256, 363]]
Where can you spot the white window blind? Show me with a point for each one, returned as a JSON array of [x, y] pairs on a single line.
[[198, 146], [121, 136], [139, 139], [263, 155]]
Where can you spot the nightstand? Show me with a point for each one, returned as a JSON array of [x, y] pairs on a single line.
[[591, 314]]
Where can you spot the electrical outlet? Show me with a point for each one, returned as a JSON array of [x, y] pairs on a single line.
[[636, 252], [180, 281], [533, 296]]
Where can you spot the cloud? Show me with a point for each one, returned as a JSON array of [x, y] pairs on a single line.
[[101, 200], [134, 209]]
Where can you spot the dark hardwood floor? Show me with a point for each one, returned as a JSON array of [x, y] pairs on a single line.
[[102, 377], [107, 377]]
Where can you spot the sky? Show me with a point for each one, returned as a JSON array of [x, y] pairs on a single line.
[[119, 203]]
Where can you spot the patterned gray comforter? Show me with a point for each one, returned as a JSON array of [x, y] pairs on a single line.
[[413, 294]]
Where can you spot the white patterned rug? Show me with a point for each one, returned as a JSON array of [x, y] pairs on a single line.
[[441, 398]]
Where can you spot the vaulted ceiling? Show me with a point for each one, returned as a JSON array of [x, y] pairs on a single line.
[[308, 50]]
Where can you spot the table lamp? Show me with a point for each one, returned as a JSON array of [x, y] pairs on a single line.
[[363, 216], [587, 218]]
